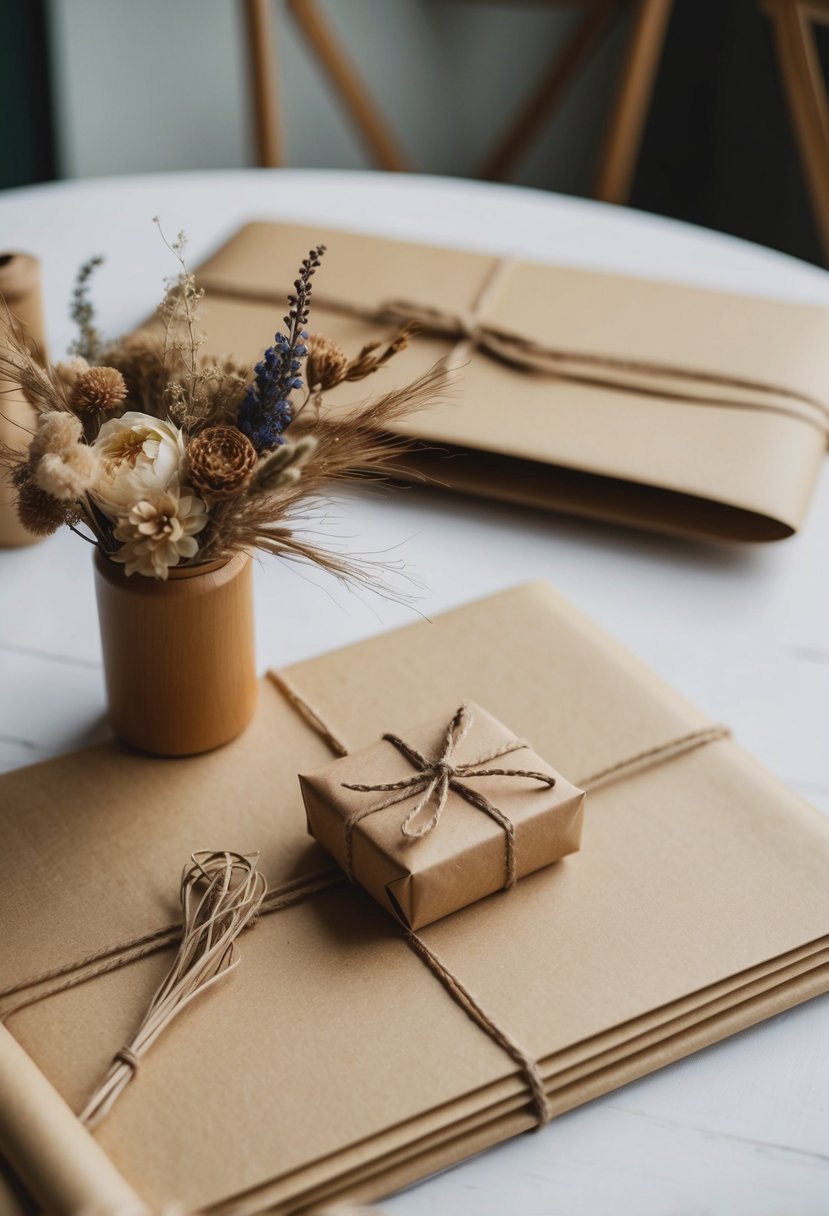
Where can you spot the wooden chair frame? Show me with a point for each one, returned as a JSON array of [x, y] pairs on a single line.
[[805, 90], [649, 19]]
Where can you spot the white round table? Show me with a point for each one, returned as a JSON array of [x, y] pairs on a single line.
[[738, 1128]]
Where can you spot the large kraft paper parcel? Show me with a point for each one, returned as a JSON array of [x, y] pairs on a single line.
[[332, 1063], [667, 407]]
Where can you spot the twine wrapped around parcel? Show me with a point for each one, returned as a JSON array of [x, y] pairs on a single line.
[[433, 779], [468, 332], [221, 894], [209, 932]]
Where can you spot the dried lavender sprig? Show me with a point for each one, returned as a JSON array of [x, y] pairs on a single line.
[[266, 409]]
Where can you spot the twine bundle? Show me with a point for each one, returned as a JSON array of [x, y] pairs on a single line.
[[221, 894]]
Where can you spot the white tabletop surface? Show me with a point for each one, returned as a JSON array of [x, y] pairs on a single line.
[[742, 1127]]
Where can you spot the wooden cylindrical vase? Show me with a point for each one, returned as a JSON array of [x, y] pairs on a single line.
[[178, 655], [20, 294]]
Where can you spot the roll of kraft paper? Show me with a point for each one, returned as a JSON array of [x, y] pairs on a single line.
[[20, 296], [64, 1169]]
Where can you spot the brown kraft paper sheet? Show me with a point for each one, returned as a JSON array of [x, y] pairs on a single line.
[[737, 464], [690, 874]]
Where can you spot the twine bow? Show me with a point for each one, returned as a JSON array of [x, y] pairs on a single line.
[[433, 779], [467, 331]]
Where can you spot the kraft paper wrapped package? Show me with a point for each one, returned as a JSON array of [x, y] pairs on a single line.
[[335, 1061], [653, 404], [507, 814]]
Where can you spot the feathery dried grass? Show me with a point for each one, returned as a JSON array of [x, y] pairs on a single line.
[[282, 508], [352, 443], [42, 387]]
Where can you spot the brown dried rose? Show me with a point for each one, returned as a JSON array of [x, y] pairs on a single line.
[[100, 388], [221, 461]]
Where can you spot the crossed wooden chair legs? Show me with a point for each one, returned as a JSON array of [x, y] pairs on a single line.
[[625, 127], [791, 26], [805, 90]]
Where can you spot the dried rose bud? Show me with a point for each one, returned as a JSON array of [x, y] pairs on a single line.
[[221, 461], [326, 363], [101, 388]]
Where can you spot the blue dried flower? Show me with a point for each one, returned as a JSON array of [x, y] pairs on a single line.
[[266, 409]]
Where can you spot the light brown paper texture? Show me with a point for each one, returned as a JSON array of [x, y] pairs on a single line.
[[735, 465], [696, 906], [62, 1166], [464, 858]]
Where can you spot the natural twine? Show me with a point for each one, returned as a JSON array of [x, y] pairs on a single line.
[[639, 762], [221, 894], [467, 331], [434, 779], [209, 931]]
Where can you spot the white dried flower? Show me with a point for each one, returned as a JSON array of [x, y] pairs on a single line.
[[140, 456], [159, 531], [68, 474]]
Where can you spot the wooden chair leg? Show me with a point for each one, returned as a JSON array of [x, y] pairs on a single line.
[[543, 102], [344, 76], [805, 89], [626, 125], [264, 102]]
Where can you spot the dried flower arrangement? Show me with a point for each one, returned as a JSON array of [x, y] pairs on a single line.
[[163, 457]]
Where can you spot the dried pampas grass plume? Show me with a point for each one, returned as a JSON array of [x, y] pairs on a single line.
[[56, 432]]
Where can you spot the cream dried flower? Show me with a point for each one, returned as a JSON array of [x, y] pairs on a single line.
[[159, 531], [99, 388], [68, 474], [140, 456]]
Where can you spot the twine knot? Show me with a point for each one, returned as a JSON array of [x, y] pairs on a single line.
[[433, 779], [469, 328], [125, 1055]]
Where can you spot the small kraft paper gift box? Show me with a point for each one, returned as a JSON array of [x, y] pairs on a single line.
[[444, 815]]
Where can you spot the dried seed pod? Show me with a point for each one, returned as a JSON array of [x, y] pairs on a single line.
[[100, 388], [326, 363], [40, 513]]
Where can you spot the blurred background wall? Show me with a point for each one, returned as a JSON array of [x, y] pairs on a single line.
[[90, 87]]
